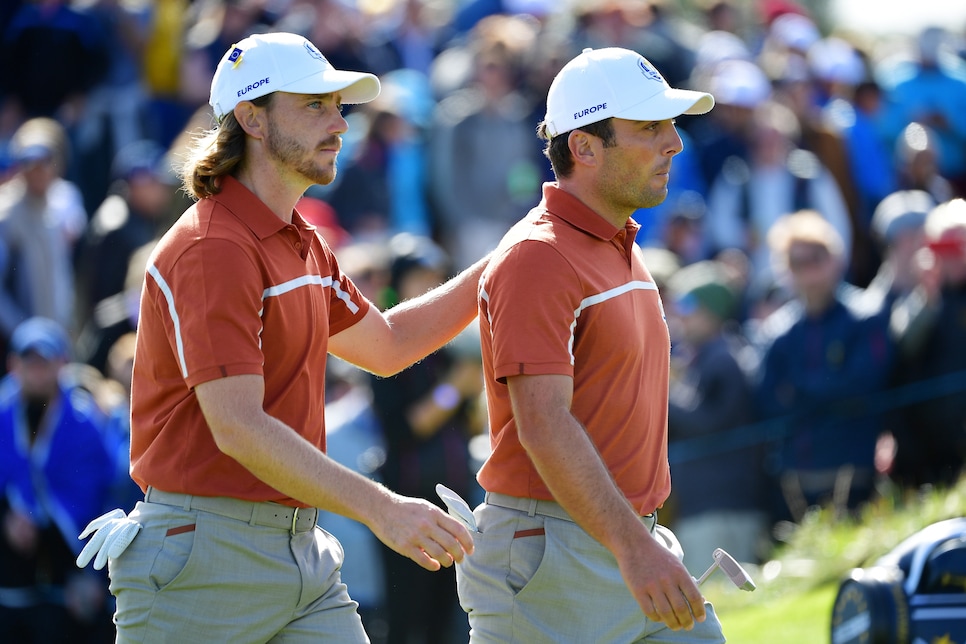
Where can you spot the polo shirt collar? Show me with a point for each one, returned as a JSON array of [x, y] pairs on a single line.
[[247, 207], [575, 212]]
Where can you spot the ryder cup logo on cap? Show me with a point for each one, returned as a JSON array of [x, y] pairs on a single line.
[[615, 82], [282, 62]]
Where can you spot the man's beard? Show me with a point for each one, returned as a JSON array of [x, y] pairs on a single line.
[[293, 154]]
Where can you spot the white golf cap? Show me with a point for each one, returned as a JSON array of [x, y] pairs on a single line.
[[282, 62], [601, 83]]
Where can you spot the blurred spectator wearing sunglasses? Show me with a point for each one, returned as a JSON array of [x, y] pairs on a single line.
[[823, 353]]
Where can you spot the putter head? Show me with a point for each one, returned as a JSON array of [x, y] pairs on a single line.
[[733, 569]]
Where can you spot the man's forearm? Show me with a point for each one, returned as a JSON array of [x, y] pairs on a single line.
[[570, 465], [423, 324]]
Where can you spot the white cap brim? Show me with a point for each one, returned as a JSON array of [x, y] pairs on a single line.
[[668, 104], [355, 87]]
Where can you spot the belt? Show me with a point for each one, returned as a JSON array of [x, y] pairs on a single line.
[[261, 513], [546, 508]]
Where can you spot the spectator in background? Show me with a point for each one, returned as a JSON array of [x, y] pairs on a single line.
[[822, 354], [797, 88], [739, 87], [917, 162], [851, 110], [722, 15], [871, 155], [931, 326], [484, 168], [428, 414], [408, 34], [60, 54], [746, 199], [718, 483], [41, 218], [115, 109], [788, 33], [164, 49], [55, 474], [138, 210], [897, 229], [928, 90]]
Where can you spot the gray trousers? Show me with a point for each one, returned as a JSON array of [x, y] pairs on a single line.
[[197, 575], [538, 579]]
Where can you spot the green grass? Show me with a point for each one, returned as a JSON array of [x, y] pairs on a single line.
[[797, 589], [789, 619]]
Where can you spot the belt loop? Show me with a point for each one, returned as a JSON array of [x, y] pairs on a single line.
[[533, 508], [295, 518], [187, 502]]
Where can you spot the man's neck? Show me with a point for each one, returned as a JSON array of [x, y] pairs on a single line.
[[269, 186]]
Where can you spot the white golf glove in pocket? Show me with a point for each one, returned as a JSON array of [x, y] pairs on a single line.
[[458, 508], [113, 533], [668, 539]]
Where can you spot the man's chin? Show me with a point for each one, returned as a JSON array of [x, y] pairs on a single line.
[[655, 198], [322, 178]]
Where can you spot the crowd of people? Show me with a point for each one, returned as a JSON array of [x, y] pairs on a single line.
[[811, 257]]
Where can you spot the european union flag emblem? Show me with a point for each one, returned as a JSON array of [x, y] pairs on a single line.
[[235, 56]]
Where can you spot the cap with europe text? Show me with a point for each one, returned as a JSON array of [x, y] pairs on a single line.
[[615, 82], [282, 62]]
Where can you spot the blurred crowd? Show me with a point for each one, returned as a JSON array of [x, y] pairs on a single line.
[[811, 256]]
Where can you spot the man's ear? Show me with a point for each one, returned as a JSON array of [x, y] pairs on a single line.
[[583, 147], [250, 118]]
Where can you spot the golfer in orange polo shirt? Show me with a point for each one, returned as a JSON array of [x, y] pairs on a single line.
[[242, 302], [576, 358]]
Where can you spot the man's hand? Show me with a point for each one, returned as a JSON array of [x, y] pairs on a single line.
[[662, 585], [113, 533], [421, 531]]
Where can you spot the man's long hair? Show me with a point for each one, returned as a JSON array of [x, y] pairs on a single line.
[[214, 154]]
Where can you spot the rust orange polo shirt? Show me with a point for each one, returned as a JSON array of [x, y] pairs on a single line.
[[231, 289], [567, 293]]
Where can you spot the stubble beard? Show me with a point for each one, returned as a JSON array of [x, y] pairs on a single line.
[[629, 191], [639, 196], [293, 154], [651, 198]]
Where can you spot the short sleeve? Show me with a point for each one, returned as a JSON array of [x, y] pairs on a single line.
[[532, 294]]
